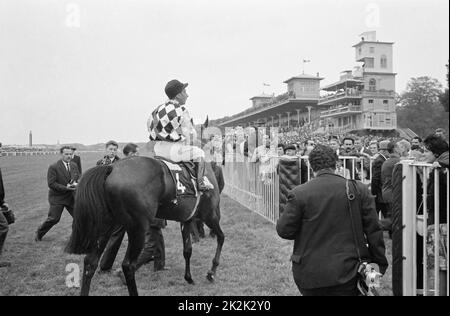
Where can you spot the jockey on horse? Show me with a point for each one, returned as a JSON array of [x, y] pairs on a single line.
[[171, 128], [112, 195]]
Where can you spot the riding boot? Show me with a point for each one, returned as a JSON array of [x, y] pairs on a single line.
[[2, 242], [202, 186]]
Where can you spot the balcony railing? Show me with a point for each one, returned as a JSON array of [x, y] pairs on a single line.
[[341, 110], [357, 94], [340, 95]]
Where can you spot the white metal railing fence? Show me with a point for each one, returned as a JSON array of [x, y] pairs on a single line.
[[40, 153], [28, 153], [423, 209], [257, 185]]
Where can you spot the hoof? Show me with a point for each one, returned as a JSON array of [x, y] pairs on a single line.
[[210, 277]]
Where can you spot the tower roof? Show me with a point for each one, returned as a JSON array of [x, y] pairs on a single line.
[[304, 76], [372, 42], [262, 96]]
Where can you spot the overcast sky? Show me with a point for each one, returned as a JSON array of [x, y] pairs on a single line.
[[92, 70]]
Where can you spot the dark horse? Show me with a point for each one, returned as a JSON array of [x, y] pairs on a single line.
[[198, 230], [130, 193]]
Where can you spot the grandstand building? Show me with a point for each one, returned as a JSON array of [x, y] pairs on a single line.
[[362, 99], [297, 107]]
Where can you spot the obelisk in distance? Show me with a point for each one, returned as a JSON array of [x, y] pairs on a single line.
[[30, 139]]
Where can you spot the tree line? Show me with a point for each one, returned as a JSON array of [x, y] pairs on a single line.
[[423, 107]]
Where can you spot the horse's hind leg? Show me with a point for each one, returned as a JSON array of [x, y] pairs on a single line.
[[213, 223], [91, 263], [187, 250], [194, 231], [200, 228], [136, 237]]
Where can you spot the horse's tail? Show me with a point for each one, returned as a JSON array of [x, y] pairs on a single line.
[[90, 211]]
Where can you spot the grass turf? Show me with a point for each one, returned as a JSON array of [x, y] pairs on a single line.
[[254, 262]]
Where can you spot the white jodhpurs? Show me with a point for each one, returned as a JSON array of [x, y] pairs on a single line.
[[178, 152]]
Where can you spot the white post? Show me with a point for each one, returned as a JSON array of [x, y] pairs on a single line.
[[309, 114], [408, 217], [436, 233]]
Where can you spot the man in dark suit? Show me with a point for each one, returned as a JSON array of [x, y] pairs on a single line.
[[111, 154], [317, 217], [348, 150], [77, 160], [3, 233], [4, 228], [376, 182], [62, 178]]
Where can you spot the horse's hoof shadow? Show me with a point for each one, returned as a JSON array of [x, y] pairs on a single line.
[[210, 277], [189, 280]]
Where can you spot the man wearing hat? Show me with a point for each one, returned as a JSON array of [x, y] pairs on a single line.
[[376, 183], [171, 127]]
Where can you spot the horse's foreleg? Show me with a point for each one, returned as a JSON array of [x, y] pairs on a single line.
[[91, 264], [187, 250], [136, 237], [213, 223]]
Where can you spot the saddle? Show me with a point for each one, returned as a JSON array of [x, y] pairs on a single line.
[[183, 175], [186, 197]]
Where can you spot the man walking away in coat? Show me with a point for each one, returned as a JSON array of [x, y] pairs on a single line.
[[317, 218], [62, 178]]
